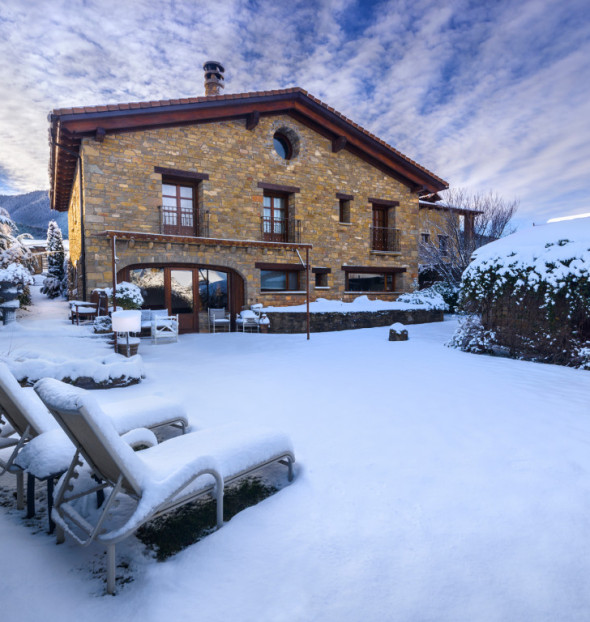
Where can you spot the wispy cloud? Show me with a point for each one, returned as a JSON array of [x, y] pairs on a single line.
[[487, 95]]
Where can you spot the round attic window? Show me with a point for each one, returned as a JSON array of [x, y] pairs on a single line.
[[286, 143], [282, 146]]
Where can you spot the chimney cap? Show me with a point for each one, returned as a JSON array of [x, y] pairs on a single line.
[[217, 66]]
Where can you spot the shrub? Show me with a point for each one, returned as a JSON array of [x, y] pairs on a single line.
[[128, 296]]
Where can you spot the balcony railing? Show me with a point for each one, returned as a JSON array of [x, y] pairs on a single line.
[[385, 239], [280, 230], [191, 223]]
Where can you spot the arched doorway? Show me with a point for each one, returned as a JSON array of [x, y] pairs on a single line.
[[187, 290]]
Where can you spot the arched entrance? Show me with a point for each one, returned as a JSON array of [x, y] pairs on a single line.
[[188, 290]]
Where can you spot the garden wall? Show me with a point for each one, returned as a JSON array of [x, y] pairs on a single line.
[[295, 322]]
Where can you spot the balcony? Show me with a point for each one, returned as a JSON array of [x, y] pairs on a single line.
[[280, 230], [194, 223], [385, 239]]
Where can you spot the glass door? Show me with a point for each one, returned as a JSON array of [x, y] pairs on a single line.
[[182, 301]]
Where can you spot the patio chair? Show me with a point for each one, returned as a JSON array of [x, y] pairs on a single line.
[[44, 451], [164, 326], [248, 321], [157, 479], [218, 320]]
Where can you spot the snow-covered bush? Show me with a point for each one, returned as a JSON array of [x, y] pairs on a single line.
[[54, 284], [128, 295], [16, 261], [449, 293], [429, 297], [103, 324], [471, 336], [532, 290]]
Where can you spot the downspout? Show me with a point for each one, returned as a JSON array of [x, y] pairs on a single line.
[[82, 232]]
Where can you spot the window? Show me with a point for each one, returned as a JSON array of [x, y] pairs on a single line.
[[345, 210], [425, 238], [369, 282], [282, 145], [321, 279], [279, 280], [443, 244], [178, 208], [275, 218]]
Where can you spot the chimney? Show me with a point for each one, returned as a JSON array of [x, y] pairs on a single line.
[[213, 77]]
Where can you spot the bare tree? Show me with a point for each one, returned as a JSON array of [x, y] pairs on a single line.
[[458, 224]]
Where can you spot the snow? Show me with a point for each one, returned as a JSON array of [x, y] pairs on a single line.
[[431, 484], [541, 245], [361, 303]]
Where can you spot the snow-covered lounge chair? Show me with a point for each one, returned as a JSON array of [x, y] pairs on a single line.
[[40, 447], [157, 479]]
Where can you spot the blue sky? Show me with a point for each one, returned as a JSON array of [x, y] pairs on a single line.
[[488, 95]]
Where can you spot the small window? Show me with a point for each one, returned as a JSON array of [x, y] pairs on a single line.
[[344, 210], [178, 208], [443, 244], [282, 146], [321, 279], [425, 238], [369, 282], [279, 280]]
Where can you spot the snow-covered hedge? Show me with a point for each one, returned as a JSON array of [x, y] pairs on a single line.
[[532, 290], [428, 298], [112, 370]]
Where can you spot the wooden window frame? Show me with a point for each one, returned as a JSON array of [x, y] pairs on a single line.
[[272, 235], [286, 273], [179, 229]]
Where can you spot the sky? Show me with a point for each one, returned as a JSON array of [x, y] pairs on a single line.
[[489, 95]]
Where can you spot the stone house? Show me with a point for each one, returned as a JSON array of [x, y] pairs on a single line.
[[228, 200], [447, 236]]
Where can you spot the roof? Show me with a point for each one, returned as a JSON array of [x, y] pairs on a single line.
[[69, 125], [446, 207]]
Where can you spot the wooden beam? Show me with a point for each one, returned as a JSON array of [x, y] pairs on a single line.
[[100, 134], [252, 120], [173, 172], [384, 202], [338, 144], [278, 187], [345, 197]]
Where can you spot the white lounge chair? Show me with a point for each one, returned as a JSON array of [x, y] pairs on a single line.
[[44, 451], [157, 479]]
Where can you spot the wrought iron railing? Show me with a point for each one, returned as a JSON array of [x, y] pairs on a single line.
[[280, 229], [385, 239], [196, 225]]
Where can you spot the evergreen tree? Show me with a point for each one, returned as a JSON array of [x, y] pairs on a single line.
[[53, 284], [55, 251]]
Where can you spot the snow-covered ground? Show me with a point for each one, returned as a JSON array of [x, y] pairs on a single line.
[[431, 485]]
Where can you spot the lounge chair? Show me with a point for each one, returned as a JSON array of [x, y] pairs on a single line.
[[50, 451], [157, 479]]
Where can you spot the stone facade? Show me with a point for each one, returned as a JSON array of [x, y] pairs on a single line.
[[122, 192]]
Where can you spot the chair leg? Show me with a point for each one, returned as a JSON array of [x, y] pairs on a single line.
[[50, 504], [30, 496], [111, 569], [20, 490]]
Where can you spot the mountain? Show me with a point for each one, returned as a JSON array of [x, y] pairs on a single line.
[[31, 213]]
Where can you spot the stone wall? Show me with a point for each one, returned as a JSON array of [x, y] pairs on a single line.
[[295, 322], [122, 191]]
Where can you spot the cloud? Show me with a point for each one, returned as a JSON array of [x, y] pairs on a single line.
[[486, 95]]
